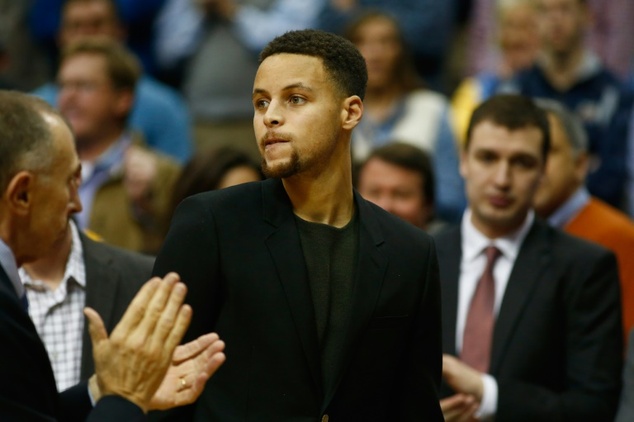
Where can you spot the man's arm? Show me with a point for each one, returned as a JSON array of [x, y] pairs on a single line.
[[418, 398], [191, 250]]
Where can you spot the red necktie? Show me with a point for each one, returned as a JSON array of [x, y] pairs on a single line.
[[478, 331]]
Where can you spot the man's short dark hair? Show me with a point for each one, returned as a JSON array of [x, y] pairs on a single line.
[[408, 157], [122, 67], [25, 137], [340, 57], [112, 5], [512, 112]]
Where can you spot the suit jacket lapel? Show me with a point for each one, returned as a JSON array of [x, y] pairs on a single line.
[[368, 280], [286, 251], [449, 257], [530, 266], [99, 295]]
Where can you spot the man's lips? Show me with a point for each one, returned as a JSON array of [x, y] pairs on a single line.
[[270, 143], [500, 201]]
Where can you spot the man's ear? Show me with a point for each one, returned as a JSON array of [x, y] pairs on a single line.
[[352, 112], [582, 163], [462, 163], [18, 194]]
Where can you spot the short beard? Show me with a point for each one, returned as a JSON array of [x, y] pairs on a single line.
[[282, 171]]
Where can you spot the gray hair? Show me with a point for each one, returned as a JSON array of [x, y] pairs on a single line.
[[575, 132], [25, 136]]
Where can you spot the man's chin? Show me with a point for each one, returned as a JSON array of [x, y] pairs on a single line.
[[280, 170]]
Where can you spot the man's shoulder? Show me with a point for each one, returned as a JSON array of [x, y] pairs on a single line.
[[448, 235], [237, 193], [564, 246], [233, 201], [604, 224], [98, 251], [389, 226]]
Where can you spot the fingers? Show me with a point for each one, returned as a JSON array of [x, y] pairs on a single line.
[[167, 314], [459, 408], [179, 328], [214, 358], [137, 308], [193, 348], [96, 327], [163, 306]]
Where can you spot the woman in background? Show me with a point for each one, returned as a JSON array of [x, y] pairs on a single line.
[[214, 168], [397, 106]]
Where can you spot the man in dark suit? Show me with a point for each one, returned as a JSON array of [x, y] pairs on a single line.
[[138, 367], [531, 316], [78, 272], [329, 304]]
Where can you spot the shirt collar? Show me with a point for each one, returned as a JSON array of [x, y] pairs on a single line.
[[570, 208], [111, 160], [474, 242], [74, 265], [76, 256], [7, 261]]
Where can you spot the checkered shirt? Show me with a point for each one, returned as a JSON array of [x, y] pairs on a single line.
[[57, 315]]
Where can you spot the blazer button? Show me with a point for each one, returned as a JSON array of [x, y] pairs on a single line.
[[324, 418]]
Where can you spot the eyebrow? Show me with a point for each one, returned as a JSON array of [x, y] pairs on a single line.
[[298, 85]]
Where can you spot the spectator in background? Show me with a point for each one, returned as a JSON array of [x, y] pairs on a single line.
[[611, 34], [397, 106], [45, 17], [563, 199], [159, 112], [23, 63], [219, 76], [427, 27], [211, 169], [568, 71], [399, 178], [517, 49], [125, 186]]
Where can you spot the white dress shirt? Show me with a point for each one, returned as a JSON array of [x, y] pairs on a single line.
[[472, 266]]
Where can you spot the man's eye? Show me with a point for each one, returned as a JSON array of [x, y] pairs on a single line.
[[296, 99], [261, 103]]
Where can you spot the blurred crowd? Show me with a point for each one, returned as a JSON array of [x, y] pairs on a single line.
[[158, 95]]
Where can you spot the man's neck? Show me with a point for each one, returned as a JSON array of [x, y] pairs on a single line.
[[51, 268], [327, 199], [91, 149], [562, 69]]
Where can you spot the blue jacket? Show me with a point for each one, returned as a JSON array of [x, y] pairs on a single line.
[[603, 104]]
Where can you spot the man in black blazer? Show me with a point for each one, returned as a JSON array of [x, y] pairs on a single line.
[[329, 305], [555, 350], [138, 367]]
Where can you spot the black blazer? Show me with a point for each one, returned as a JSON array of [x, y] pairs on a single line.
[[239, 252], [28, 391], [113, 277], [557, 347]]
